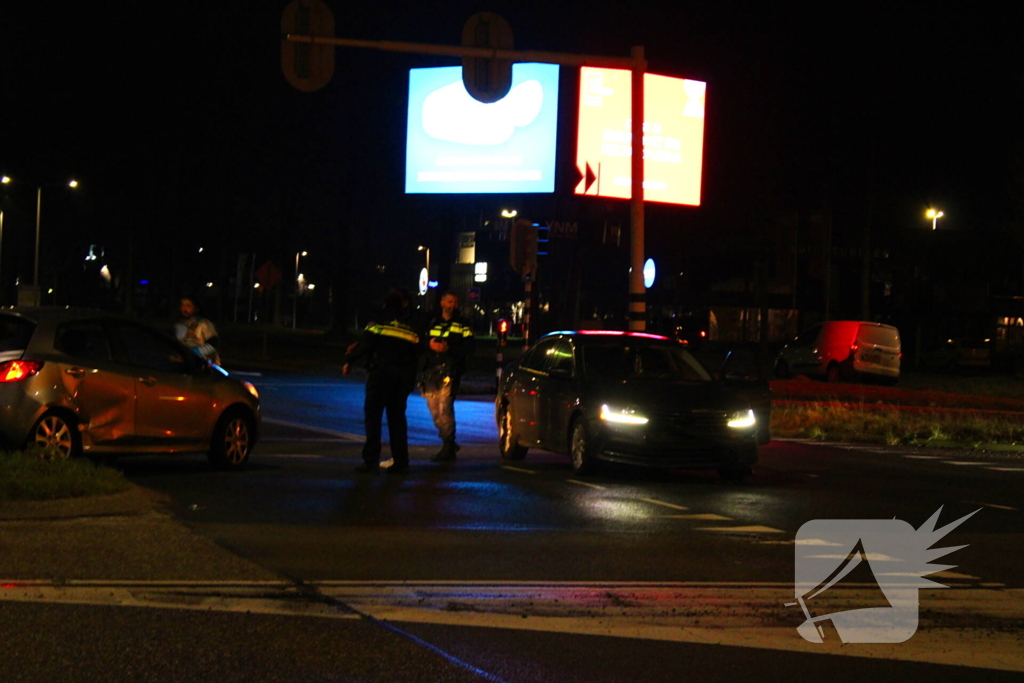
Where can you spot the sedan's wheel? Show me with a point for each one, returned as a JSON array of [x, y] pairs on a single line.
[[233, 440], [582, 448], [508, 441], [58, 436]]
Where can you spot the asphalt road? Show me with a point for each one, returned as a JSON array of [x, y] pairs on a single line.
[[484, 570], [523, 571]]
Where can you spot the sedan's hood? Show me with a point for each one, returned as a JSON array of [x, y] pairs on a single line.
[[664, 395]]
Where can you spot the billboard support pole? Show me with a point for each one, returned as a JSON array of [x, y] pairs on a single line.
[[637, 291]]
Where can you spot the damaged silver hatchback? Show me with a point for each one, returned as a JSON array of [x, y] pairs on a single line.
[[88, 382]]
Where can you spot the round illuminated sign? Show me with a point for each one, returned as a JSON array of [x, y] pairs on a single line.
[[649, 272], [423, 281]]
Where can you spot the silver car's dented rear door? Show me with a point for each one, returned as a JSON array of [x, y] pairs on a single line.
[[100, 391]]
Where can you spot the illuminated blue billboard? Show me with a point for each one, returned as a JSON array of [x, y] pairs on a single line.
[[458, 145]]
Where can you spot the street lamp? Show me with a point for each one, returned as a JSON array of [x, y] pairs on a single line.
[[426, 249], [295, 299], [2, 250], [39, 203], [509, 213], [934, 215], [3, 180]]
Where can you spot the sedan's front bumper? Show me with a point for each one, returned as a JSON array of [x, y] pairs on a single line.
[[665, 446]]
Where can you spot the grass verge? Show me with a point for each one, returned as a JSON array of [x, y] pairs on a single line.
[[939, 428], [33, 475]]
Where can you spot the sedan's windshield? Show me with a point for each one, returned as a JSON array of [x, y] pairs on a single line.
[[625, 360]]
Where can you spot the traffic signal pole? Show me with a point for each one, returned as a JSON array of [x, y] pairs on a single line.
[[637, 291]]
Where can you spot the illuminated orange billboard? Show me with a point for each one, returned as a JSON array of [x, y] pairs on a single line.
[[673, 136]]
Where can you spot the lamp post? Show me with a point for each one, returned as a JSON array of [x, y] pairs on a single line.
[[295, 298], [1, 256], [3, 180], [934, 215]]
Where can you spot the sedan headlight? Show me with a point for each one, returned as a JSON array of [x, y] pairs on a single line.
[[627, 416], [743, 419]]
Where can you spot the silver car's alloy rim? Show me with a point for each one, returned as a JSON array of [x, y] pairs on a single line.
[[56, 433], [506, 430], [236, 441], [579, 445]]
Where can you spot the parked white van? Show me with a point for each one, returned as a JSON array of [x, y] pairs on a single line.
[[842, 350]]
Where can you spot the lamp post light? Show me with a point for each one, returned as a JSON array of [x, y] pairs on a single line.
[[295, 298], [934, 215], [426, 249]]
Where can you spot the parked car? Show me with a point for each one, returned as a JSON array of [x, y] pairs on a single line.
[[955, 354], [88, 382], [626, 397], [843, 350]]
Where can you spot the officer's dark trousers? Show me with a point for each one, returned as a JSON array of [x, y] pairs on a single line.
[[387, 391]]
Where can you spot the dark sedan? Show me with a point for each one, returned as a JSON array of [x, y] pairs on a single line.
[[626, 397]]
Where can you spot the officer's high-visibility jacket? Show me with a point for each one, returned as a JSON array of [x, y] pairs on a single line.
[[459, 335], [393, 345]]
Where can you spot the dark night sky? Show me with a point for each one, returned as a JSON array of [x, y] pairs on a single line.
[[179, 125]]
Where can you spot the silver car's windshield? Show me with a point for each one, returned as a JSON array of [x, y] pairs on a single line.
[[642, 360]]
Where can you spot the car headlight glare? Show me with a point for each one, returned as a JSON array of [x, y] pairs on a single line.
[[742, 419], [627, 416], [252, 390]]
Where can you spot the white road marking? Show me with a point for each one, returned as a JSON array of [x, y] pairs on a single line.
[[708, 517], [1007, 469], [969, 463], [517, 469], [742, 529], [310, 428], [922, 457], [292, 439], [753, 616], [993, 506], [587, 483], [654, 501], [954, 575], [275, 385], [247, 597]]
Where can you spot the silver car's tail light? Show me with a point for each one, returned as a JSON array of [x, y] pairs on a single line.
[[15, 370]]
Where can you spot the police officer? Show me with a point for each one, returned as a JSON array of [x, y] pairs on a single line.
[[450, 343], [392, 348]]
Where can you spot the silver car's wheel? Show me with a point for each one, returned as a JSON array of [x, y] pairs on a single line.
[[58, 435], [508, 441], [581, 447], [233, 440]]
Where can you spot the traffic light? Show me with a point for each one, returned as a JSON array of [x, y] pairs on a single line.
[[523, 247], [502, 332], [487, 80]]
